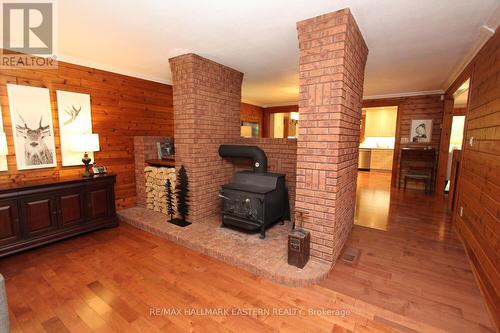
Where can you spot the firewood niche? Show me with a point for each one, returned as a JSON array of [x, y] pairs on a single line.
[[156, 195]]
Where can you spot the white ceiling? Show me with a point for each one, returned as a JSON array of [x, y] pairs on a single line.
[[415, 45]]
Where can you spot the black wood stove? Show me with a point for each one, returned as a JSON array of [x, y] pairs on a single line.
[[253, 200]]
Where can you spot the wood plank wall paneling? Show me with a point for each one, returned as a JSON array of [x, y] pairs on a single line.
[[253, 113], [122, 107], [479, 180]]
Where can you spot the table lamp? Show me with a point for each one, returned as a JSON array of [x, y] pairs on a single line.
[[4, 151], [86, 143]]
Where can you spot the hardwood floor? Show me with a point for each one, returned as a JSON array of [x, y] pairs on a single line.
[[411, 275]]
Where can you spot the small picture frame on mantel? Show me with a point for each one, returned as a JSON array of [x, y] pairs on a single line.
[[165, 149]]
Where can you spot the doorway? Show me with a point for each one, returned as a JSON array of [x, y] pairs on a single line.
[[377, 140], [454, 119]]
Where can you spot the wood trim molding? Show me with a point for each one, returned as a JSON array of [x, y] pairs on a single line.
[[444, 145], [447, 123]]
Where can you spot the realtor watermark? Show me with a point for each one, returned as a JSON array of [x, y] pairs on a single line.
[[250, 312], [28, 34]]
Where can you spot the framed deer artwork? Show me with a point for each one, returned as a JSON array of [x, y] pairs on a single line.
[[32, 127], [3, 159], [75, 117]]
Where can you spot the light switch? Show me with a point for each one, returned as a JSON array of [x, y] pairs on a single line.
[[461, 212], [471, 141]]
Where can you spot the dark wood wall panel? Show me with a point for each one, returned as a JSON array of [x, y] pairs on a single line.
[[479, 183], [422, 107], [122, 107]]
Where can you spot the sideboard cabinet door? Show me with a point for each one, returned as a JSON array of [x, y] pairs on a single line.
[[39, 215], [71, 208], [10, 231], [100, 199]]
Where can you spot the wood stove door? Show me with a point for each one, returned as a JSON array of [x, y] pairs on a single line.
[[243, 205]]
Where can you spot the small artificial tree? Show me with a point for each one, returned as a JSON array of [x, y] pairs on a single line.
[[182, 193], [170, 199]]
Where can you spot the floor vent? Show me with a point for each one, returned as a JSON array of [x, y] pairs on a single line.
[[350, 255]]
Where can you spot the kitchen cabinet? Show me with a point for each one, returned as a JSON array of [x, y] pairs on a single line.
[[381, 159], [380, 122]]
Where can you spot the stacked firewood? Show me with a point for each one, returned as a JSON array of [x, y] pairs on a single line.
[[156, 192]]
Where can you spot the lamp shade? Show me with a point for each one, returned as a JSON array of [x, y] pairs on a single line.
[[3, 144], [85, 142], [294, 115]]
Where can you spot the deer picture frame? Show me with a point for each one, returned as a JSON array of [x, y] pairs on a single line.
[[32, 128], [75, 117], [3, 159]]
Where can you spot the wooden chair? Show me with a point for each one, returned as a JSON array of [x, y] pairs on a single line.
[[418, 165]]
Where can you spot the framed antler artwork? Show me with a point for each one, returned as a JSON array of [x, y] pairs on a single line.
[[32, 127], [75, 117], [3, 158]]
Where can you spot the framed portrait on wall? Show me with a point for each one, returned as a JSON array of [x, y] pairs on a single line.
[[421, 130], [32, 127], [75, 117], [3, 158]]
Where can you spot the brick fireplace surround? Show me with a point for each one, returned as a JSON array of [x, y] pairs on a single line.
[[320, 167]]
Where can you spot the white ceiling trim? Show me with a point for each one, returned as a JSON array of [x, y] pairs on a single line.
[[247, 101], [407, 94], [484, 34], [108, 68], [280, 104]]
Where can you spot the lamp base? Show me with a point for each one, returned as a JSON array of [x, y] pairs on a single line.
[[86, 161]]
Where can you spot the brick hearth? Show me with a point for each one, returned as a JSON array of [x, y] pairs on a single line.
[[266, 258], [320, 167]]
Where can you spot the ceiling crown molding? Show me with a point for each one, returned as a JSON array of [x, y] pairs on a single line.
[[280, 104], [483, 35], [406, 94]]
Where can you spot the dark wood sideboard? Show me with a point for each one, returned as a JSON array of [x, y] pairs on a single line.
[[38, 213]]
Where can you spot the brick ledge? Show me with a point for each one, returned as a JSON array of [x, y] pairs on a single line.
[[265, 258]]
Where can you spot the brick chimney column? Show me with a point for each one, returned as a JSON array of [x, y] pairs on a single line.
[[331, 68], [206, 98]]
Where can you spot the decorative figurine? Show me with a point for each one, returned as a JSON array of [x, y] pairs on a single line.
[[170, 199], [182, 192]]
